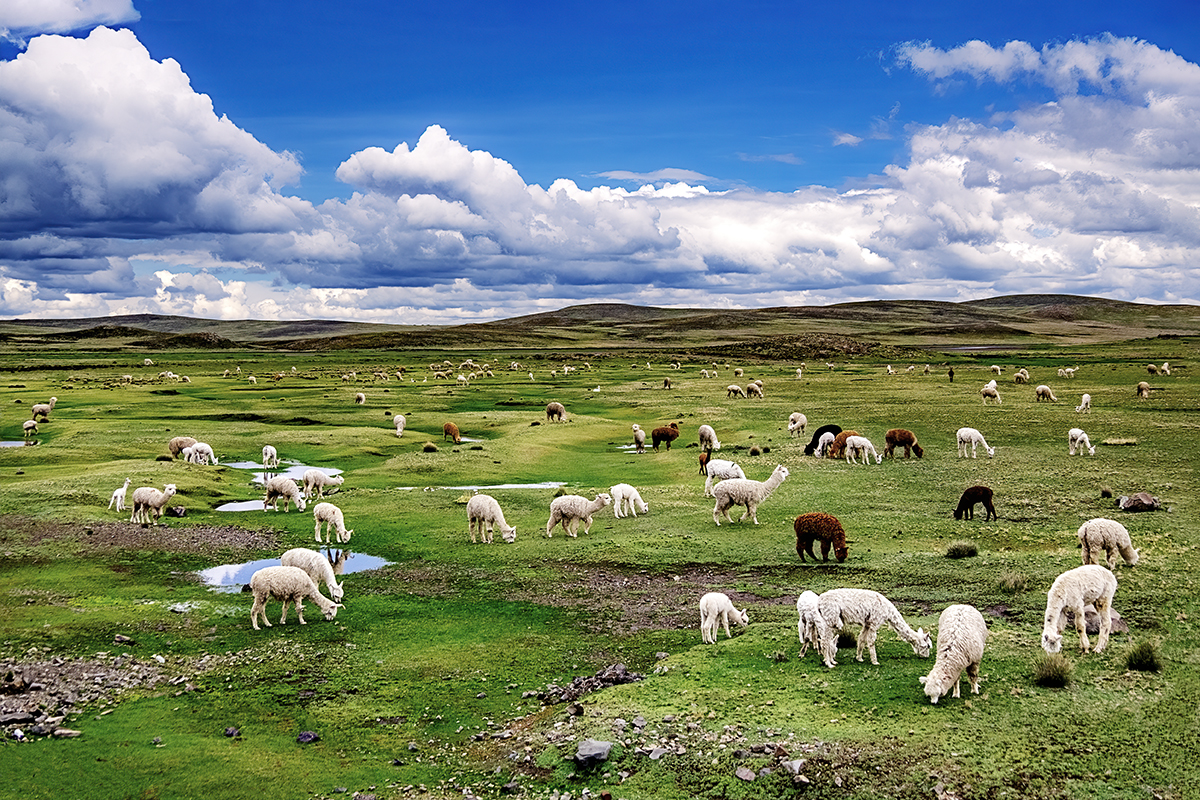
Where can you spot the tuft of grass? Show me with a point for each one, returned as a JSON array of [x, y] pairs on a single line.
[[1052, 671], [430, 447], [1143, 657], [755, 450], [962, 548], [779, 656], [1013, 582]]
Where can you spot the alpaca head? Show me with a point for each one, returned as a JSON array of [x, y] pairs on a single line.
[[840, 553], [923, 643], [1051, 642]]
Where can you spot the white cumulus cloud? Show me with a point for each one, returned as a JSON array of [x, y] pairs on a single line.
[[20, 19]]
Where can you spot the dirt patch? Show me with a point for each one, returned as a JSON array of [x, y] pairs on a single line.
[[177, 538]]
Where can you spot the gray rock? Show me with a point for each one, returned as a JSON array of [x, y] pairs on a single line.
[[745, 773], [592, 751], [658, 753], [307, 737]]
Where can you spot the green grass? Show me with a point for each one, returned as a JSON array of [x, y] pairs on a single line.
[[428, 661]]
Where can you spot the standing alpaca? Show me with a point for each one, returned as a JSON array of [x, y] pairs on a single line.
[[570, 509], [1072, 590], [270, 457], [331, 517], [451, 430], [745, 492], [1143, 390], [717, 609], [639, 439], [973, 438], [147, 500], [484, 512], [667, 434], [838, 448], [1109, 536], [708, 438], [399, 421], [901, 437], [841, 608], [118, 496], [1044, 392], [797, 422], [861, 446], [555, 412], [811, 447], [626, 500], [818, 526], [291, 585], [973, 495], [962, 634], [811, 625], [718, 469], [1077, 441]]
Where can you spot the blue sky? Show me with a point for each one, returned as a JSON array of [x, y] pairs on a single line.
[[438, 163]]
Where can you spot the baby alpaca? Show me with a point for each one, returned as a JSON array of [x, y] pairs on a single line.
[[901, 437], [814, 443], [797, 422], [315, 479], [841, 608], [1077, 440], [270, 458], [318, 567], [118, 496], [962, 634], [626, 501], [483, 511], [861, 446], [745, 492], [719, 469], [639, 439], [972, 437], [811, 625], [1072, 590], [973, 495], [570, 509], [717, 609], [291, 585], [331, 516], [1108, 535], [825, 528]]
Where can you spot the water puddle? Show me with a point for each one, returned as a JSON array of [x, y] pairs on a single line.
[[286, 469], [242, 505], [542, 485], [232, 577], [19, 443]]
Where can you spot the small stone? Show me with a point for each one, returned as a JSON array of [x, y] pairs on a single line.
[[232, 732], [66, 733], [745, 773], [121, 638], [658, 753], [592, 751], [639, 721], [307, 737], [481, 695]]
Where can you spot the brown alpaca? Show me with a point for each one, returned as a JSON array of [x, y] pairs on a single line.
[[901, 437], [705, 457], [838, 448], [973, 495], [666, 434], [451, 430], [822, 527]]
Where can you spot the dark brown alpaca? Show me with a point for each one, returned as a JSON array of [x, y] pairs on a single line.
[[666, 434], [899, 437], [822, 527], [838, 448], [973, 495]]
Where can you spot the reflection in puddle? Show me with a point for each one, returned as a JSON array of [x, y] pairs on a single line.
[[232, 577], [287, 469], [19, 443], [242, 505], [542, 485]]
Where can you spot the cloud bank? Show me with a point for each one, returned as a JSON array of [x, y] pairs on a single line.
[[123, 191]]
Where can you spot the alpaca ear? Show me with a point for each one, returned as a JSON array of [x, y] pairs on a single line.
[[922, 679]]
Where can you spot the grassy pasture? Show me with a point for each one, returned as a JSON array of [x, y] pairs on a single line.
[[416, 689]]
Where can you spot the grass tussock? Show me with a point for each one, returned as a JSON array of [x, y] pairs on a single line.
[[430, 447], [1013, 582], [963, 548], [1143, 657], [1052, 671]]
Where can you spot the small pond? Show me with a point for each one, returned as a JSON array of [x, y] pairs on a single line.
[[19, 443], [232, 577], [542, 485], [286, 469], [242, 505]]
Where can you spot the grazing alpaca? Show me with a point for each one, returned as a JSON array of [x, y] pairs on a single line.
[[1071, 591], [973, 495], [900, 437], [841, 608], [825, 528], [811, 625], [1109, 536], [555, 412], [745, 492], [570, 509], [1044, 392], [814, 443], [667, 434], [451, 430], [838, 448], [962, 634], [717, 609]]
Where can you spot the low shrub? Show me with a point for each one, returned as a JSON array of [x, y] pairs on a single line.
[[430, 447], [1013, 582], [962, 549], [1143, 657], [1052, 671]]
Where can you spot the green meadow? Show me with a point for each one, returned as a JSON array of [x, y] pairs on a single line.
[[427, 682]]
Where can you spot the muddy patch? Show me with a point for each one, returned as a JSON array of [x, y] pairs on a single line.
[[192, 539]]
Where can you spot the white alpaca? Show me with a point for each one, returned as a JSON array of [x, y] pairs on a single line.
[[824, 443], [291, 585], [797, 422], [708, 438], [1077, 441], [315, 479], [118, 496], [360, 399], [399, 421], [147, 499], [1085, 405], [270, 458], [318, 567], [811, 625], [1044, 392], [716, 609], [1108, 535], [1072, 590], [199, 453], [745, 492], [973, 438], [570, 509], [718, 469], [626, 501], [331, 516], [556, 412], [754, 389], [996, 369], [483, 511], [989, 392], [639, 439], [961, 637], [861, 446], [733, 390], [841, 608], [890, 371], [29, 428], [252, 379], [1021, 376], [43, 409], [281, 488]]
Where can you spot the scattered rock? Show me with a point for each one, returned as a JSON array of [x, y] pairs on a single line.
[[175, 511], [658, 753], [1141, 501], [232, 732], [745, 773], [66, 733], [121, 638], [591, 752], [307, 737]]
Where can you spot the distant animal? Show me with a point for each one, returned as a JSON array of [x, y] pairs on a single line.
[[555, 411], [450, 430], [818, 526], [716, 609], [838, 448], [901, 437], [797, 422], [1143, 390], [1044, 392], [639, 439], [973, 495], [811, 447], [118, 496], [665, 434]]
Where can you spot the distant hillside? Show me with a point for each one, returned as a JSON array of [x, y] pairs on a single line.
[[903, 327]]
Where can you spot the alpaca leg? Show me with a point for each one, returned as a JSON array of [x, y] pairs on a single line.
[[300, 610], [824, 551], [1103, 605], [283, 617], [587, 525], [1112, 559], [868, 639], [828, 647], [973, 677], [259, 609], [1081, 626], [725, 619], [957, 681]]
